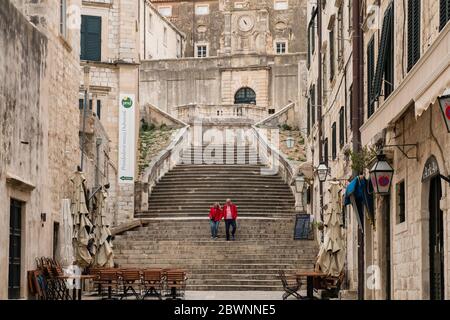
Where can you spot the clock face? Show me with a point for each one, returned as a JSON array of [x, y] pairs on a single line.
[[246, 23]]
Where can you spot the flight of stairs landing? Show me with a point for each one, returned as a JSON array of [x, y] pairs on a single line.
[[251, 262], [176, 233]]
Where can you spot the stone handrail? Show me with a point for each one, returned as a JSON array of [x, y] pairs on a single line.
[[159, 166], [278, 164], [190, 112], [274, 119]]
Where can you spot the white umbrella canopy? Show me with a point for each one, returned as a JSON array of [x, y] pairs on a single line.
[[64, 250], [102, 247], [82, 226], [332, 252]]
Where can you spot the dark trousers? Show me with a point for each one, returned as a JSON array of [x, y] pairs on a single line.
[[231, 223]]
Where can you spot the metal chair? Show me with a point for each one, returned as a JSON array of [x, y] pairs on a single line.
[[130, 281], [290, 288], [175, 284], [152, 281]]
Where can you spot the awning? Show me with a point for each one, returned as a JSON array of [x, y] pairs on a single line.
[[422, 86]]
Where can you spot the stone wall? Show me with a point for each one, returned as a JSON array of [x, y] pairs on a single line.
[[40, 146], [219, 29], [215, 81]]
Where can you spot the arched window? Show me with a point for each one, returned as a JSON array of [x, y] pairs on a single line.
[[245, 96]]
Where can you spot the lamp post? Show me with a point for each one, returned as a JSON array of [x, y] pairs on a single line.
[[299, 188], [290, 142], [85, 106], [444, 103], [381, 175]]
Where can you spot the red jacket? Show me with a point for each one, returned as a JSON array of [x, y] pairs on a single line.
[[234, 212], [215, 214]]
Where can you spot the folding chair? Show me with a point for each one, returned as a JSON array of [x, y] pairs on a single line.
[[290, 288], [175, 284], [109, 278], [152, 281], [130, 281]]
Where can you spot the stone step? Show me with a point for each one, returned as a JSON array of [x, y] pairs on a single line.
[[234, 288]]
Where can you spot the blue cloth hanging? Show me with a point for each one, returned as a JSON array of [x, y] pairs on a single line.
[[359, 194]]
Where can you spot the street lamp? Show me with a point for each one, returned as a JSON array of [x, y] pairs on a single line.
[[444, 103], [322, 172], [299, 183], [381, 175], [290, 142]]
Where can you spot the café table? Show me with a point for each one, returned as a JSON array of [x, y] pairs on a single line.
[[310, 277], [77, 293]]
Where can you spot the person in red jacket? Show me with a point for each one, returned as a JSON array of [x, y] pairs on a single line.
[[215, 215], [230, 215]]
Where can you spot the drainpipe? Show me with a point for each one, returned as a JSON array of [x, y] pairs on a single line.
[[319, 99], [358, 94]]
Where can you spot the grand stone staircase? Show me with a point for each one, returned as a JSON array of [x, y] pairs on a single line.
[[176, 231]]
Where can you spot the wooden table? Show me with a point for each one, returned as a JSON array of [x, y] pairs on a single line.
[[77, 292], [310, 276]]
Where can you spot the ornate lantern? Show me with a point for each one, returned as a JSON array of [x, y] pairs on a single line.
[[444, 103], [322, 172], [381, 175]]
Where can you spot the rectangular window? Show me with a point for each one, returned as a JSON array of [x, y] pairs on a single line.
[[370, 75], [413, 33], [325, 151], [201, 9], [165, 11], [341, 127], [99, 109], [63, 18], [333, 141], [202, 51], [401, 202], [271, 111], [281, 5], [281, 47], [350, 101], [444, 13], [150, 22], [81, 104], [332, 54], [91, 38]]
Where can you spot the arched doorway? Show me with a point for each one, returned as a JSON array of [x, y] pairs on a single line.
[[245, 96]]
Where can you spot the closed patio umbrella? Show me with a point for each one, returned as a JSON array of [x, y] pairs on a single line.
[[64, 250], [82, 226], [332, 252], [102, 234]]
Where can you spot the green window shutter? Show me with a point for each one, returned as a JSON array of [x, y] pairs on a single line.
[[382, 53], [313, 105], [444, 13], [370, 76], [91, 30], [341, 127], [413, 33], [308, 118], [333, 141]]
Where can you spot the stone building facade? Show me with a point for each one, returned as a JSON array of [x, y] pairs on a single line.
[[406, 120], [406, 69], [40, 140], [337, 137], [124, 31], [232, 48]]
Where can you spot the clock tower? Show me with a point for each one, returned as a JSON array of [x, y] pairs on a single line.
[[246, 28]]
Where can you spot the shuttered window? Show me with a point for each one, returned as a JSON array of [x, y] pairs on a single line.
[[444, 13], [325, 151], [413, 33], [332, 53], [313, 105], [383, 53], [308, 117], [333, 141], [91, 40], [341, 127], [389, 61], [370, 75]]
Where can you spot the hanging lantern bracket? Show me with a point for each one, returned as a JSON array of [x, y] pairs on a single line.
[[402, 147], [447, 179]]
